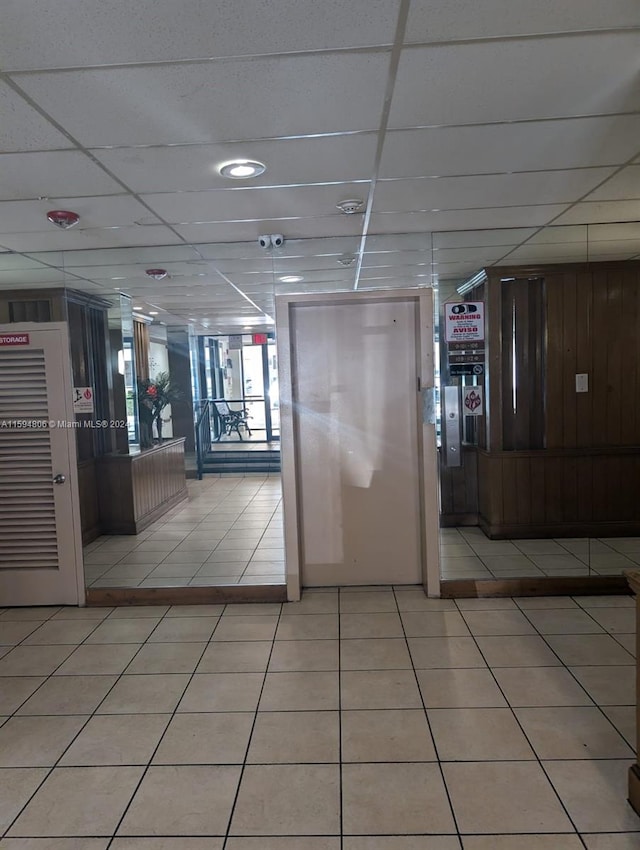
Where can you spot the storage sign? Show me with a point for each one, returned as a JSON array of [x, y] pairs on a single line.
[[464, 321], [14, 339]]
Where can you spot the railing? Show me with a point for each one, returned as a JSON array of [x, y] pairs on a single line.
[[205, 426]]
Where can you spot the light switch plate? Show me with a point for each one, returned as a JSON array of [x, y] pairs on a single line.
[[582, 383]]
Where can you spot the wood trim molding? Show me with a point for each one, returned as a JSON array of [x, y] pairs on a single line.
[[560, 586], [99, 597]]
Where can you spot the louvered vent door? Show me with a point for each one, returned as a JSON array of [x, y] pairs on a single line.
[[38, 546]]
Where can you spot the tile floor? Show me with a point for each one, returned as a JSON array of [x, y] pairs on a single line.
[[229, 532], [395, 721], [468, 553]]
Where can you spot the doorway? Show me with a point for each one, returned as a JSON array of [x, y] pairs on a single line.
[[359, 472], [40, 538]]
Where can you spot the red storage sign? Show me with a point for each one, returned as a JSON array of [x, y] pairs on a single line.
[[14, 339]]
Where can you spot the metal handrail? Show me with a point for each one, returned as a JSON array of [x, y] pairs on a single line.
[[203, 435]]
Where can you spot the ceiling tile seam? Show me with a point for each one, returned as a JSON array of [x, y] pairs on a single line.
[[384, 47], [572, 206], [202, 60], [394, 62], [507, 122]]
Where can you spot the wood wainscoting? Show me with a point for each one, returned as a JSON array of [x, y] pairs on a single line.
[[137, 489], [89, 503], [459, 490], [582, 492]]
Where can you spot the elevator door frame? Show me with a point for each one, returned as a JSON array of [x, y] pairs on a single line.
[[427, 452]]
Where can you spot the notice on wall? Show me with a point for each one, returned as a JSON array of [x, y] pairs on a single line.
[[464, 321], [235, 342], [14, 339], [472, 401], [83, 400]]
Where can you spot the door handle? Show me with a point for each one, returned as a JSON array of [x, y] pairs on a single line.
[[59, 479]]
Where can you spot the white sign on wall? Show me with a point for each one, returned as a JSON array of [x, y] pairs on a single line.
[[83, 400], [464, 321], [472, 401]]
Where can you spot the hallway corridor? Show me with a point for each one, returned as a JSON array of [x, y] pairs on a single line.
[[398, 722]]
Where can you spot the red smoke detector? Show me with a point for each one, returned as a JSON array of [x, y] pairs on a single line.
[[157, 274], [63, 218]]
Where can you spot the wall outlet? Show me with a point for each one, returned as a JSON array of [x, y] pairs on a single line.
[[582, 383]]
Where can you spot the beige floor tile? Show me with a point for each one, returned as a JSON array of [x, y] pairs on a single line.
[[13, 633], [456, 688], [69, 695], [167, 658], [315, 691], [71, 613], [257, 609], [304, 655], [55, 843], [595, 794], [284, 843], [608, 685], [616, 620], [521, 842], [79, 801], [288, 800], [580, 650], [213, 581], [135, 630], [478, 734], [313, 603], [123, 739], [35, 613], [16, 786], [540, 686], [508, 797], [182, 800], [379, 689], [588, 602], [563, 732], [498, 623], [623, 718], [173, 570], [222, 692], [195, 611], [445, 652], [560, 621], [145, 694], [175, 629], [235, 657], [489, 604], [628, 642], [394, 798], [309, 627], [415, 600], [33, 660], [188, 556], [375, 654], [517, 651], [434, 624], [533, 603], [246, 628], [212, 738], [295, 737], [14, 691], [129, 612], [386, 736], [37, 741], [365, 602], [224, 555]]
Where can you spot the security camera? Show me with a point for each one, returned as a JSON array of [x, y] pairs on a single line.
[[264, 241], [277, 240]]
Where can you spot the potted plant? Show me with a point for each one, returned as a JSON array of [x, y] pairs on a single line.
[[153, 397]]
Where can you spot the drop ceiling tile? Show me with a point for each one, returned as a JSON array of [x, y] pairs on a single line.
[[52, 174], [504, 81], [90, 238], [625, 185], [398, 242], [221, 205], [534, 146], [599, 213], [473, 238], [200, 102], [331, 225], [158, 30], [158, 254], [288, 161], [380, 259], [487, 190], [626, 249], [28, 276], [291, 248], [494, 18], [570, 252], [23, 128], [569, 233], [9, 260], [101, 211], [471, 219], [478, 255], [605, 232]]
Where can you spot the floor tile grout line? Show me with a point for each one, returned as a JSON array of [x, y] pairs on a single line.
[[428, 722], [249, 740], [340, 709]]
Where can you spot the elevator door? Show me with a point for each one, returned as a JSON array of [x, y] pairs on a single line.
[[355, 369]]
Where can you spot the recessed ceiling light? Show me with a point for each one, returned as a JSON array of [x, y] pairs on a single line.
[[248, 327], [351, 206], [242, 169], [291, 278], [137, 308], [153, 312]]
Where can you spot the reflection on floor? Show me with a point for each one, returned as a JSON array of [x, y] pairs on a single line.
[[468, 553], [399, 721], [227, 443], [230, 532]]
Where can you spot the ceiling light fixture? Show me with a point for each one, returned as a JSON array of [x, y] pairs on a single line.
[[347, 259], [137, 308], [153, 312], [242, 169], [291, 278], [63, 219], [351, 206], [157, 274]]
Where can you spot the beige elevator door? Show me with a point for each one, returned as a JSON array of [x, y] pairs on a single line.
[[356, 423], [40, 549]]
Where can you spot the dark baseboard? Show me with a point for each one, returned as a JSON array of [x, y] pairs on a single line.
[[99, 597], [556, 586], [564, 529]]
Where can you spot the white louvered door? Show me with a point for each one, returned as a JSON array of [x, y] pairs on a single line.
[[40, 543]]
